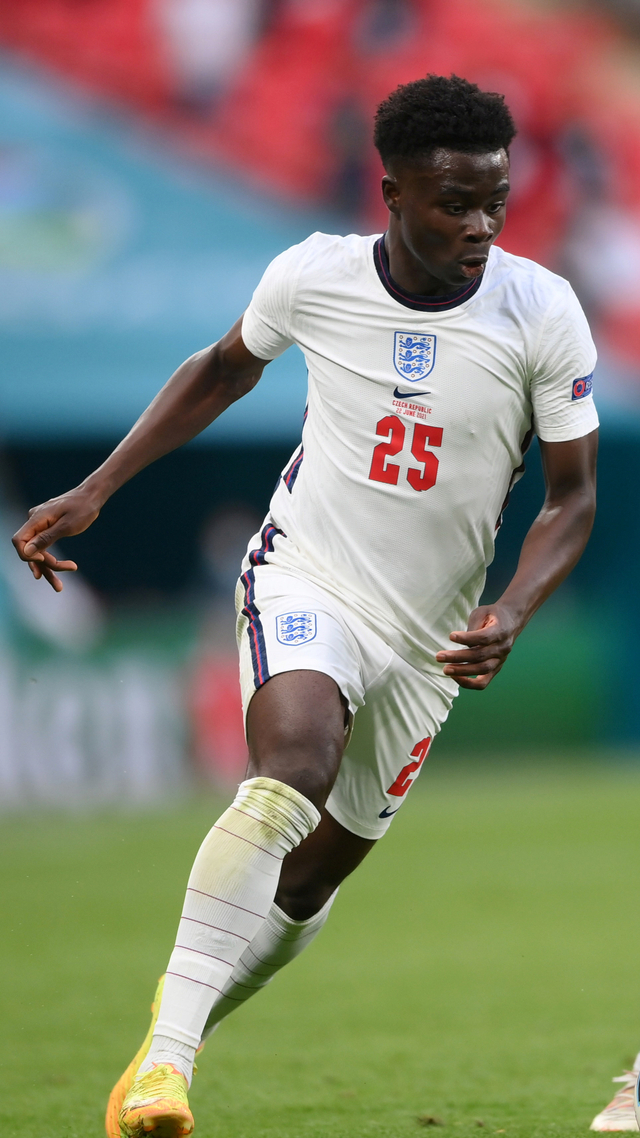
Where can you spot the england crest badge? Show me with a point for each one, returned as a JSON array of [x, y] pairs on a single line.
[[414, 354], [296, 627]]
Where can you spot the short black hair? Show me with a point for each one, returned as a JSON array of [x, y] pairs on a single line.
[[439, 111]]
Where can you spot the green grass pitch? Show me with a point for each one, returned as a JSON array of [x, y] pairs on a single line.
[[482, 968]]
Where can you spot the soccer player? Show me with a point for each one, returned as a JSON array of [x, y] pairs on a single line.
[[433, 357]]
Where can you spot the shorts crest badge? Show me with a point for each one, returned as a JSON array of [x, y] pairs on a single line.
[[296, 627], [414, 354]]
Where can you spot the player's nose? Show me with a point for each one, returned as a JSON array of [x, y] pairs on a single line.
[[479, 227]]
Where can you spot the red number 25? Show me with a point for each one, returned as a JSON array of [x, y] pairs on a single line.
[[394, 429]]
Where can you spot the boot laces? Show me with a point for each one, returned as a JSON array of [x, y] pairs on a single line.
[[624, 1097], [163, 1080]]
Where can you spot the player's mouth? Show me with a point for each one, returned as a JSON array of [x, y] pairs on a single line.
[[472, 266]]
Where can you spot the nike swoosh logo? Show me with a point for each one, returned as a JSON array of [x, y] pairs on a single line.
[[386, 813], [407, 394]]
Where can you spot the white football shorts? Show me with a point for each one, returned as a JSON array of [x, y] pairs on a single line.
[[286, 623]]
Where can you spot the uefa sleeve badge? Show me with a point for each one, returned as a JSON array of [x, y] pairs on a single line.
[[582, 387]]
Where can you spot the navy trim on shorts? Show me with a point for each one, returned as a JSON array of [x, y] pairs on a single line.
[[251, 611]]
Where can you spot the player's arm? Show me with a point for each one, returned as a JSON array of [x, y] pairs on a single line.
[[200, 390], [550, 550]]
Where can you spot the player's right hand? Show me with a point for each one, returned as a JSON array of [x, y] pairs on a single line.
[[65, 516]]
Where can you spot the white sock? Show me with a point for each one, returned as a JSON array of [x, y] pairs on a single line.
[[229, 894], [278, 941]]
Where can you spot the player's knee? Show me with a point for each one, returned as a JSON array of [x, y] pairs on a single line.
[[302, 903], [311, 772], [306, 759], [295, 729]]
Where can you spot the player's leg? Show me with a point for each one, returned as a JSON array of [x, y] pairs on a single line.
[[299, 738], [311, 875], [392, 734], [296, 737], [404, 710], [293, 687], [298, 663], [296, 725]]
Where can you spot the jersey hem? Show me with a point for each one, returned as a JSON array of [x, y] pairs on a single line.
[[560, 435]]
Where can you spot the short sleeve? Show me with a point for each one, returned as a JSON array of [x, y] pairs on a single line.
[[266, 325], [562, 380]]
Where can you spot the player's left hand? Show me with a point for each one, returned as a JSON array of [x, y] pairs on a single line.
[[489, 639], [49, 566]]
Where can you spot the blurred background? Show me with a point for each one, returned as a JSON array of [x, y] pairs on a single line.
[[154, 156]]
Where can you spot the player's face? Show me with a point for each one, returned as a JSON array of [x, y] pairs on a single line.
[[446, 212]]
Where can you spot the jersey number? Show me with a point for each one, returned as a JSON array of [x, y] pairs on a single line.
[[394, 429]]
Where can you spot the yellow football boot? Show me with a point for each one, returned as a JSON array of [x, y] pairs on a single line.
[[157, 1104], [123, 1085]]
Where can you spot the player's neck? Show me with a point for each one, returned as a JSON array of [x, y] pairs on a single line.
[[407, 271]]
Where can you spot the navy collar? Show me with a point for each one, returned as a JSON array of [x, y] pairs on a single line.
[[412, 299]]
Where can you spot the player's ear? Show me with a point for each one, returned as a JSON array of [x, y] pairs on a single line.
[[391, 193]]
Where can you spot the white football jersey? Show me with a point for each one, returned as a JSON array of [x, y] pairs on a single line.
[[418, 415]]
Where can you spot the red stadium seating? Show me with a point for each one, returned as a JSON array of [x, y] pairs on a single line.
[[297, 118], [110, 45]]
